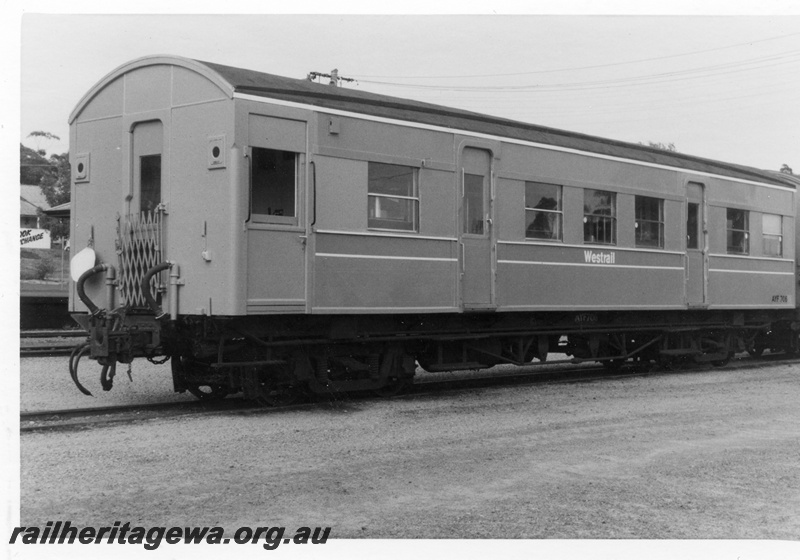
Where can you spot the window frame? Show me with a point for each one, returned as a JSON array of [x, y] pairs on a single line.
[[276, 219], [729, 231], [594, 217], [773, 236], [660, 222], [414, 200], [558, 212], [150, 187], [474, 224], [693, 234]]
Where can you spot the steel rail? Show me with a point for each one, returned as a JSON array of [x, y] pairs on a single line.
[[45, 351], [88, 417], [53, 334]]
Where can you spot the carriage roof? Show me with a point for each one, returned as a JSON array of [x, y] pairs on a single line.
[[239, 80]]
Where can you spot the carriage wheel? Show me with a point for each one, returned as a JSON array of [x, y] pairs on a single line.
[[756, 350], [393, 387], [270, 392], [724, 361], [613, 365], [209, 392], [181, 367]]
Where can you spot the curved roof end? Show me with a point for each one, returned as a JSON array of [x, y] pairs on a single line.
[[152, 60]]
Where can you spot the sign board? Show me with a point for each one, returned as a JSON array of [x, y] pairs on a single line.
[[34, 238]]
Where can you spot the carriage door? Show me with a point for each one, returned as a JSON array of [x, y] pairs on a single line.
[[276, 235], [696, 246], [148, 141], [476, 229], [141, 241]]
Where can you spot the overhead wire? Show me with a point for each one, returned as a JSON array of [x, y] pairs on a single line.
[[591, 67], [689, 73], [702, 91], [692, 92]]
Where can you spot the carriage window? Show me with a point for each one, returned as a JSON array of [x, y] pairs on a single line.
[[543, 213], [692, 225], [738, 231], [649, 222], [392, 201], [772, 234], [473, 204], [599, 217], [150, 178], [274, 184]]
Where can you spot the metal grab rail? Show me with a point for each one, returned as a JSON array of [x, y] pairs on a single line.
[[151, 301]]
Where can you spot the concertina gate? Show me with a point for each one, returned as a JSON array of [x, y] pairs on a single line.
[[139, 248]]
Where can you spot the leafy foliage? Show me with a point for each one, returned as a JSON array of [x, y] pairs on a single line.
[[44, 135], [670, 147], [52, 174], [44, 268], [32, 165], [41, 264], [55, 182], [55, 185], [59, 227]]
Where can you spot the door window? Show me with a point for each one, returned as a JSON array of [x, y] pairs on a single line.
[[692, 226], [473, 204], [274, 186], [150, 182]]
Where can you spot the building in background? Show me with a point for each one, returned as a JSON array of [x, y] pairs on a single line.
[[31, 201], [31, 233]]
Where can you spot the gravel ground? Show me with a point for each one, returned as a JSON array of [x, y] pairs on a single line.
[[45, 384], [708, 455]]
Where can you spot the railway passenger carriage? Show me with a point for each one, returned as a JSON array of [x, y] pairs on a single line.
[[269, 233]]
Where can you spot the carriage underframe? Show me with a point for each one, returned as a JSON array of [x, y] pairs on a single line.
[[272, 359]]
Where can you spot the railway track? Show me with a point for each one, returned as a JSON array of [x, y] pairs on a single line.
[[78, 417], [46, 351], [47, 343], [53, 334], [93, 417]]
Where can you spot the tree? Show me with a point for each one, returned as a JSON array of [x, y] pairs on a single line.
[[660, 146], [40, 136], [55, 185], [52, 174], [786, 169], [55, 182], [32, 165]]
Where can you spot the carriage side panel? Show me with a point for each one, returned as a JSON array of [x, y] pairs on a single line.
[[364, 263], [748, 266], [568, 272]]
